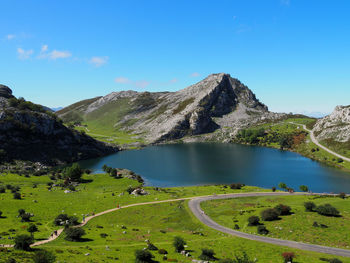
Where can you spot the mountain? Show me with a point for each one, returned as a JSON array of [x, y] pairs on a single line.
[[29, 132], [218, 102], [56, 109], [335, 127]]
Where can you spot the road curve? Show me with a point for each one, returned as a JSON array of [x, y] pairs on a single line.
[[194, 205], [315, 141]]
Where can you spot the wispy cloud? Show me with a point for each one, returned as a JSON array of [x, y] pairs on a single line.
[[174, 80], [195, 74], [243, 28], [24, 54], [98, 61], [121, 80], [142, 84], [10, 36], [285, 2], [53, 55]]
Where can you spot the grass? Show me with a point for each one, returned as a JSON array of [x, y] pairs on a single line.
[[157, 222], [297, 227], [182, 105]]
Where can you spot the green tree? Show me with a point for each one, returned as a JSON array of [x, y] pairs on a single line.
[[31, 229], [303, 188], [282, 186], [207, 254], [143, 256], [74, 233], [23, 242], [179, 244], [73, 173], [269, 214]]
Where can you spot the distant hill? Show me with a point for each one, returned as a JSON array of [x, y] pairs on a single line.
[[219, 101], [30, 132], [56, 109]]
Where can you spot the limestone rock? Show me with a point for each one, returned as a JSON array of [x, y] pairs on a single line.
[[5, 91]]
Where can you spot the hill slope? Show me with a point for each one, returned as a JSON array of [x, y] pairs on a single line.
[[31, 133], [217, 101]]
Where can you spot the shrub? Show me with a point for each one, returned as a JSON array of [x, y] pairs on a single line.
[[0, 214], [44, 256], [288, 257], [309, 206], [2, 189], [162, 251], [179, 244], [335, 260], [242, 258], [269, 214], [143, 256], [21, 212], [74, 234], [73, 173], [253, 221], [236, 186], [342, 195], [103, 235], [282, 186], [283, 209], [32, 228], [150, 246], [273, 189], [17, 196], [303, 188], [327, 210], [262, 230], [64, 219], [26, 217], [207, 254], [23, 242]]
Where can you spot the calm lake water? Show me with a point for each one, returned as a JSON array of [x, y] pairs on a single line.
[[216, 163]]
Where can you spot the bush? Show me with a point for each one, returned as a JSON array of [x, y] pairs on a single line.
[[309, 206], [2, 189], [262, 230], [64, 219], [17, 196], [44, 256], [273, 189], [327, 210], [162, 251], [150, 246], [73, 173], [207, 254], [269, 214], [143, 256], [23, 242], [26, 217], [253, 221], [236, 186], [283, 210], [0, 214], [335, 260], [288, 257], [32, 228], [342, 195], [74, 234], [243, 258], [103, 235], [282, 186], [303, 188], [179, 244]]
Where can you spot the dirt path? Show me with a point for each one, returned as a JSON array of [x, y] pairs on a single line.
[[194, 205], [315, 141]]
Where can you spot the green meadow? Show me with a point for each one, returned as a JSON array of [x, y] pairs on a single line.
[[299, 226]]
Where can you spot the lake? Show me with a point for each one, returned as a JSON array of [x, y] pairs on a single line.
[[224, 163]]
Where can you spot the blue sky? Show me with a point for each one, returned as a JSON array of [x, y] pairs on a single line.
[[294, 54]]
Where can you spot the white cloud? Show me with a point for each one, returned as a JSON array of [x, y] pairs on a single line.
[[98, 61], [10, 36], [59, 54], [195, 74], [174, 80], [24, 54], [122, 80], [142, 84], [44, 48]]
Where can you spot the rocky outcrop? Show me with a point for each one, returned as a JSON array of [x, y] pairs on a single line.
[[216, 102], [335, 126], [5, 92], [30, 133]]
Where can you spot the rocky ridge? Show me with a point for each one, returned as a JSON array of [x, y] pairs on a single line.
[[335, 126], [217, 102], [30, 133]]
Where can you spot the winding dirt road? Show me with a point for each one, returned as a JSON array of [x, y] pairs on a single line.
[[315, 141], [194, 205]]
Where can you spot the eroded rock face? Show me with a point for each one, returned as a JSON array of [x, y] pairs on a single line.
[[5, 91], [335, 126], [217, 101], [38, 136]]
